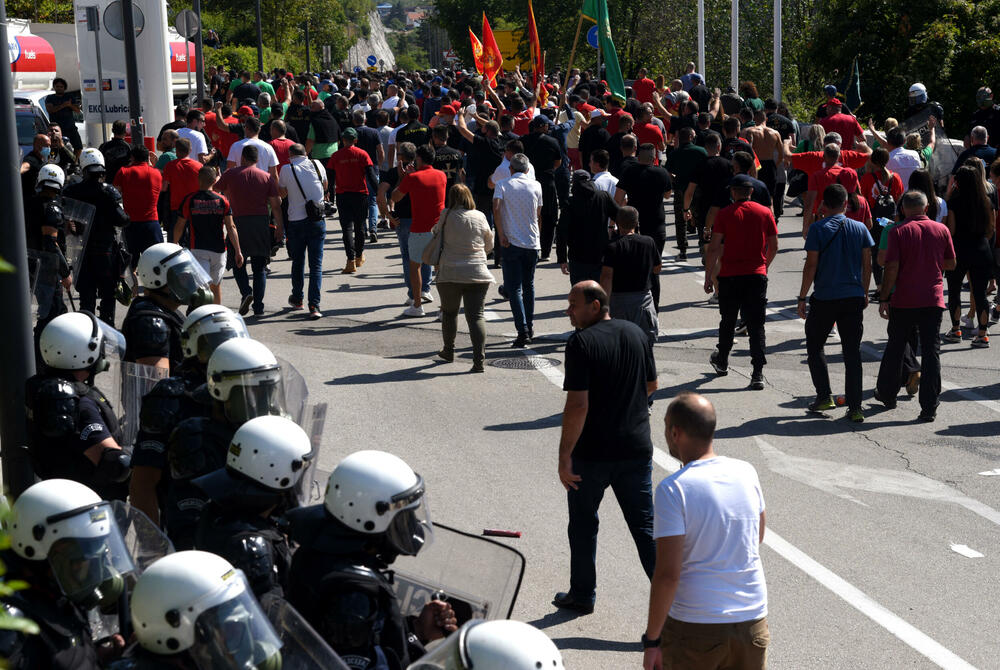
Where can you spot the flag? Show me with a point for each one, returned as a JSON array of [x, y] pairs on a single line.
[[535, 47], [597, 11], [492, 58], [852, 88], [477, 51]]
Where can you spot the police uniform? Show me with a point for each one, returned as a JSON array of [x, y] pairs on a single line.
[[43, 211], [137, 658], [65, 419], [100, 269], [922, 108], [153, 330]]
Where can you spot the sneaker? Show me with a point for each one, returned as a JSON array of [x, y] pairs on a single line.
[[757, 380], [531, 333], [314, 312], [927, 417], [267, 269], [889, 403], [447, 355], [682, 255], [913, 383], [968, 322], [426, 297], [520, 342], [981, 341], [373, 237], [994, 314], [414, 311], [822, 404], [258, 312], [713, 299], [856, 415], [741, 327], [409, 301], [245, 303], [293, 303], [953, 335], [721, 368]]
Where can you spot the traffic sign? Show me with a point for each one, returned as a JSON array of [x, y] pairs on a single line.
[[114, 24], [357, 68], [381, 62], [187, 23], [372, 60], [592, 36]]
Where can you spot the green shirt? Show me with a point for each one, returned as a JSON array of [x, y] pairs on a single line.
[[165, 158], [265, 88], [323, 95], [321, 149]]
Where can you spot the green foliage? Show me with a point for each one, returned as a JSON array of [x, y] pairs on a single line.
[[409, 51], [8, 622], [245, 58], [5, 267], [46, 11]]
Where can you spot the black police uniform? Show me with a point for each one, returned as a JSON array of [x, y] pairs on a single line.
[[65, 419], [101, 265], [345, 593], [934, 108], [153, 330], [64, 640], [52, 267], [137, 658]]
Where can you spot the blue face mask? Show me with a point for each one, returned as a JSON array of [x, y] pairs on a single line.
[[46, 151]]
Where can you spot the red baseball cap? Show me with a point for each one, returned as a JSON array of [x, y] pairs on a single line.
[[244, 111], [451, 109], [835, 101]]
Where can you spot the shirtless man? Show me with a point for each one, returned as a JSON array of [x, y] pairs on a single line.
[[767, 144]]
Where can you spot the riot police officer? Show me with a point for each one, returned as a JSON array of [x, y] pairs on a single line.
[[100, 270], [72, 427], [46, 237], [267, 459], [244, 381], [171, 277], [493, 645], [177, 398], [919, 110], [193, 609], [374, 510], [65, 543]]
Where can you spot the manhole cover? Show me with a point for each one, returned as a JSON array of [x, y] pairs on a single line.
[[524, 363]]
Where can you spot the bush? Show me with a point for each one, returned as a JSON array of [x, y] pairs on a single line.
[[245, 58]]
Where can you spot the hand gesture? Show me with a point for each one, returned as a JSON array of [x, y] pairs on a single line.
[[436, 620]]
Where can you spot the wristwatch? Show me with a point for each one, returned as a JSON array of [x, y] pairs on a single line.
[[802, 298], [650, 644]]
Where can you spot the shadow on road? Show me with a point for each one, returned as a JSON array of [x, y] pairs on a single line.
[[533, 424]]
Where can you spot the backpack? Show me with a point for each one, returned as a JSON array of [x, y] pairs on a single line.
[[883, 206]]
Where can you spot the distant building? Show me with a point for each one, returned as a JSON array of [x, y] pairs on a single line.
[[383, 9], [413, 19]]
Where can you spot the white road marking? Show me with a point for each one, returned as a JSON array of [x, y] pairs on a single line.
[[904, 631], [991, 473], [490, 315], [966, 550]]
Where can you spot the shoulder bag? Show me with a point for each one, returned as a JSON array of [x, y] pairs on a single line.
[[314, 210], [432, 252]]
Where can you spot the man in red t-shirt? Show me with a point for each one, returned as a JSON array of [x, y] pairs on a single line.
[[180, 178], [751, 242], [832, 172], [844, 125], [810, 161], [140, 183], [350, 170], [646, 132], [426, 188], [615, 113], [918, 252], [280, 143], [643, 87]]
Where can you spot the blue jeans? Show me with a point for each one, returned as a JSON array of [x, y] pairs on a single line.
[[259, 266], [632, 484], [372, 206], [305, 235], [403, 236], [519, 283]]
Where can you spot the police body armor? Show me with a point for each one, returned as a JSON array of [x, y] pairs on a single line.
[[149, 327], [52, 407], [196, 447], [109, 213], [345, 593], [252, 543]]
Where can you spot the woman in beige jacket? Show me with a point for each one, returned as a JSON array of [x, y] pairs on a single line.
[[463, 276]]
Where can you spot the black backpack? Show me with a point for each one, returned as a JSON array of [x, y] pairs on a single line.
[[884, 206]]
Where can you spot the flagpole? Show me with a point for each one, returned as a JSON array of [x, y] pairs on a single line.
[[572, 53], [777, 50]]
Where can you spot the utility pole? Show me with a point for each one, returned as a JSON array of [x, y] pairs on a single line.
[[308, 63], [199, 55], [260, 41], [132, 72]]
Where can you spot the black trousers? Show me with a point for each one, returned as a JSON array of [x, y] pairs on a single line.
[[550, 215], [746, 294], [902, 322], [766, 174], [848, 314], [659, 239], [353, 210], [778, 199], [680, 225], [979, 271], [97, 278]]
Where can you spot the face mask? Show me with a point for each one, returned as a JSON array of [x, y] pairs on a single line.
[[45, 152]]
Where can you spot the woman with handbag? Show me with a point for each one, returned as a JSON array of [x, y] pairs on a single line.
[[461, 240]]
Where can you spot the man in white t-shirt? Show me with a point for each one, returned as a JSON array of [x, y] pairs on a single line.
[[195, 133], [503, 170], [302, 180], [267, 160], [903, 162], [708, 525], [603, 180]]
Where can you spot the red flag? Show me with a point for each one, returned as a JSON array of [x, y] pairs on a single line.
[[535, 47], [477, 51], [492, 58]]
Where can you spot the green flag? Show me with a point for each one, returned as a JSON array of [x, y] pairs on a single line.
[[597, 11], [852, 87]]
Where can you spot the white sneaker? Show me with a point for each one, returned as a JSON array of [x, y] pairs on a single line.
[[409, 301], [414, 311], [426, 297], [713, 299]]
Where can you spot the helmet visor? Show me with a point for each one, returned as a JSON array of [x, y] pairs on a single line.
[[256, 395], [187, 279], [112, 342], [206, 343], [410, 529], [235, 635]]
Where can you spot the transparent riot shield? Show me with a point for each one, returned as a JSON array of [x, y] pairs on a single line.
[[43, 276], [946, 150], [296, 392], [78, 218], [479, 577], [312, 486], [301, 647], [125, 384]]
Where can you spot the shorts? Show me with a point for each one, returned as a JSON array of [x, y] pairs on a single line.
[[214, 263], [415, 245]]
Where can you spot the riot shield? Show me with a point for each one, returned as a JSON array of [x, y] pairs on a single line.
[[301, 647], [127, 384], [946, 150], [480, 578], [43, 276], [78, 217], [312, 485], [296, 392]]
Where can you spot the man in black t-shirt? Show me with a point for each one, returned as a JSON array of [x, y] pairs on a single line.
[[605, 441], [647, 186], [631, 265], [708, 190], [244, 91], [414, 132], [448, 160], [732, 142]]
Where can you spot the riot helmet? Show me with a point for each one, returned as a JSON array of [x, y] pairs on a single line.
[[376, 493], [68, 525], [197, 602], [246, 378], [92, 161], [493, 645], [917, 94], [80, 341], [984, 97], [50, 176], [207, 327], [172, 269]]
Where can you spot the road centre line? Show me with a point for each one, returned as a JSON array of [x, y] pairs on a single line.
[[904, 631]]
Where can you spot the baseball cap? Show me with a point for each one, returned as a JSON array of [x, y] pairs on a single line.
[[741, 181], [834, 102], [540, 120], [244, 111], [451, 109], [598, 112], [830, 90], [351, 133]]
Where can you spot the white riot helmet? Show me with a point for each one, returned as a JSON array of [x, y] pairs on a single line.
[[172, 268], [50, 176], [373, 492], [270, 450], [80, 341], [493, 645], [917, 94], [91, 160], [198, 602], [245, 376], [207, 327], [67, 524]]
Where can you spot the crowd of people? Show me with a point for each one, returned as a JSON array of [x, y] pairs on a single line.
[[466, 173]]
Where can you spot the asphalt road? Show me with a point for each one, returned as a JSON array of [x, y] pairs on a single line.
[[865, 522]]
